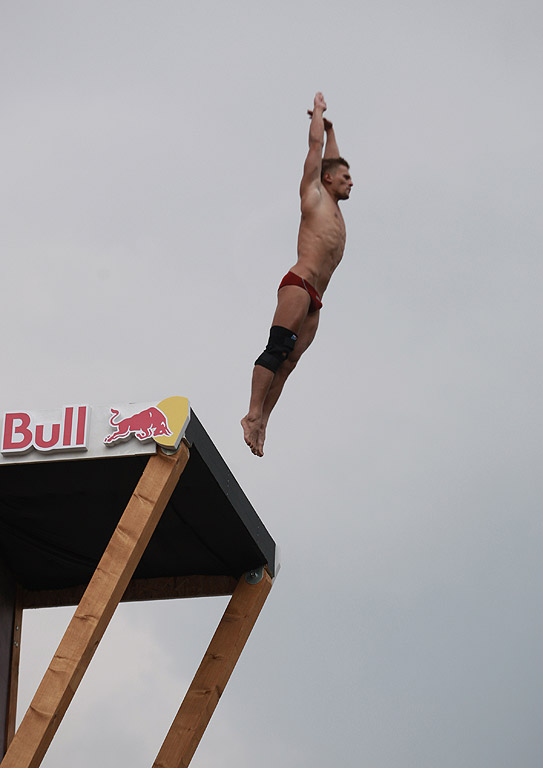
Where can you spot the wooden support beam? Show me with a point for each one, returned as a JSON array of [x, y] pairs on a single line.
[[164, 588], [213, 673], [14, 667], [8, 600], [95, 610], [177, 587]]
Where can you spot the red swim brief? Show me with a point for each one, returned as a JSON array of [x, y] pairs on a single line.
[[292, 279]]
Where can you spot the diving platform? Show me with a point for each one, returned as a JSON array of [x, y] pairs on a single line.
[[106, 504]]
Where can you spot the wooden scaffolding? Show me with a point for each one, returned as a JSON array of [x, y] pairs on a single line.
[[222, 548]]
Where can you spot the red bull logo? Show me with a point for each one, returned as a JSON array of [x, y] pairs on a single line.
[[82, 432], [145, 425]]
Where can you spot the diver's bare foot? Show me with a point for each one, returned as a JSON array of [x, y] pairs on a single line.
[[260, 441], [251, 434]]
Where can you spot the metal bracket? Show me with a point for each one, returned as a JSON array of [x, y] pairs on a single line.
[[255, 575], [171, 451], [167, 450]]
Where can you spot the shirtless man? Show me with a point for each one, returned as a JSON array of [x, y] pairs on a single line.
[[321, 240]]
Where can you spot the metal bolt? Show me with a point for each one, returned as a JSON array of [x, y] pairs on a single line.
[[254, 576]]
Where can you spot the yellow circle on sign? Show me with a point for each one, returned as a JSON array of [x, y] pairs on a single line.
[[177, 411]]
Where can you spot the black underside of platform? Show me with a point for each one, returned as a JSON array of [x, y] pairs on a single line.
[[57, 517]]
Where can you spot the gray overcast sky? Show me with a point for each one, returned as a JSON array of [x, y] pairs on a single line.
[[150, 159]]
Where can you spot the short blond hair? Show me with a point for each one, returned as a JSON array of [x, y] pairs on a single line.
[[330, 164]]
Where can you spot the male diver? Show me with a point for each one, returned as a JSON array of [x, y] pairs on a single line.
[[321, 241]]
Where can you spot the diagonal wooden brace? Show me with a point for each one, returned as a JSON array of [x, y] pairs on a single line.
[[213, 673], [95, 610]]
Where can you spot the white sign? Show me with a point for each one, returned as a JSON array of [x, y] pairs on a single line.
[[82, 431]]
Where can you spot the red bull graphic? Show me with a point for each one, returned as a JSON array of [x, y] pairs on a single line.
[[145, 425], [130, 428]]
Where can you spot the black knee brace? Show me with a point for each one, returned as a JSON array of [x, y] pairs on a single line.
[[280, 344]]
